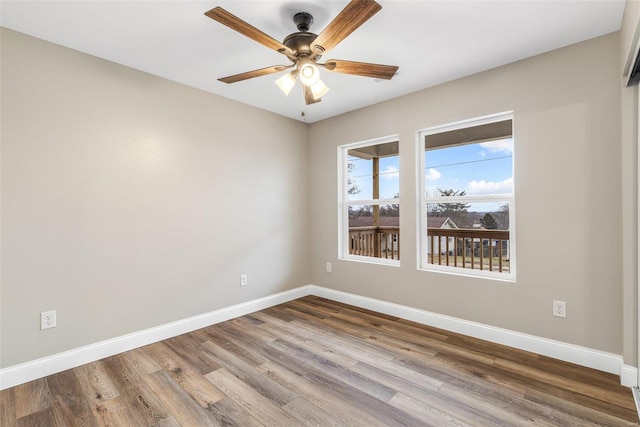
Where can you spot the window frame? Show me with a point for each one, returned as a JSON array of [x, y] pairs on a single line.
[[344, 202], [423, 201]]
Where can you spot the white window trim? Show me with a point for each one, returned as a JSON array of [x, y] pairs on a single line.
[[343, 202], [421, 208]]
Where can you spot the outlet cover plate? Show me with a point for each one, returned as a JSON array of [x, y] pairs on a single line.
[[560, 309], [47, 320]]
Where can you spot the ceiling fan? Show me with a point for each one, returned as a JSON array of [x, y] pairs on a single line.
[[304, 49]]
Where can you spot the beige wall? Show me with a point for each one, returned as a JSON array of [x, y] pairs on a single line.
[[129, 201], [567, 184], [628, 184]]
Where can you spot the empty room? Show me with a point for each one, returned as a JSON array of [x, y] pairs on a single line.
[[319, 213]]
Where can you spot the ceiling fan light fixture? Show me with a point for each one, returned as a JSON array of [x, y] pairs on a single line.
[[319, 89], [286, 82], [304, 49], [309, 73]]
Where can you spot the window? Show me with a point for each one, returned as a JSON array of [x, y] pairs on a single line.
[[370, 201], [467, 211]]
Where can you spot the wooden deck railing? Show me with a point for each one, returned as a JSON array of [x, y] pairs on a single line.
[[378, 242], [465, 248]]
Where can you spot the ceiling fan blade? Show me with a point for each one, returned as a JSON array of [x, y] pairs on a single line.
[[377, 71], [308, 96], [225, 18], [251, 74], [347, 21]]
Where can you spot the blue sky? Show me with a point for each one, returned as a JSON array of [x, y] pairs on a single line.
[[482, 168], [362, 175]]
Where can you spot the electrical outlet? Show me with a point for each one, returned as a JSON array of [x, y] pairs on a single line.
[[47, 319], [560, 309], [328, 267], [243, 280]]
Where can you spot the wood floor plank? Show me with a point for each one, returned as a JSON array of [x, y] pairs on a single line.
[[308, 341], [310, 415], [341, 305], [491, 349], [428, 414], [317, 362], [95, 383], [135, 363], [426, 345], [569, 384], [583, 414], [336, 371], [263, 409], [346, 413], [378, 357], [32, 397], [390, 325], [301, 307], [229, 413], [400, 346], [264, 351], [515, 380], [249, 375], [458, 369], [385, 414], [186, 346], [336, 338], [177, 402], [184, 374], [507, 378], [228, 334], [127, 372], [117, 412], [513, 410], [68, 401], [8, 416], [433, 398], [43, 418]]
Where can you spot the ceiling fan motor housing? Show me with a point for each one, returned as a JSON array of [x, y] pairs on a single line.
[[303, 21], [300, 43]]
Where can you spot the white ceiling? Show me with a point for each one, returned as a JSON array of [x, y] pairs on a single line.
[[431, 41]]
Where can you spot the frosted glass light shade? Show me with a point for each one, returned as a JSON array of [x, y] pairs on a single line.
[[309, 73], [319, 89], [286, 83]]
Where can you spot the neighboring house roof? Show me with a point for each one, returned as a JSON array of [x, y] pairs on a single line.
[[367, 221], [440, 222], [394, 221]]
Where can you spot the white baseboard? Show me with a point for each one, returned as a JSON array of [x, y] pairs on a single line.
[[629, 376], [636, 398], [603, 361], [600, 360], [29, 371]]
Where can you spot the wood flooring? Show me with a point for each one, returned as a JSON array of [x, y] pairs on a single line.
[[316, 362]]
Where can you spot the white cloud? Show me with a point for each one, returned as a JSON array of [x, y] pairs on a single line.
[[490, 187], [390, 172], [499, 146], [432, 175]]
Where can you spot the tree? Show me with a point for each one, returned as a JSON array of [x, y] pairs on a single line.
[[352, 186], [456, 211], [365, 210], [391, 210], [502, 217], [488, 222]]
